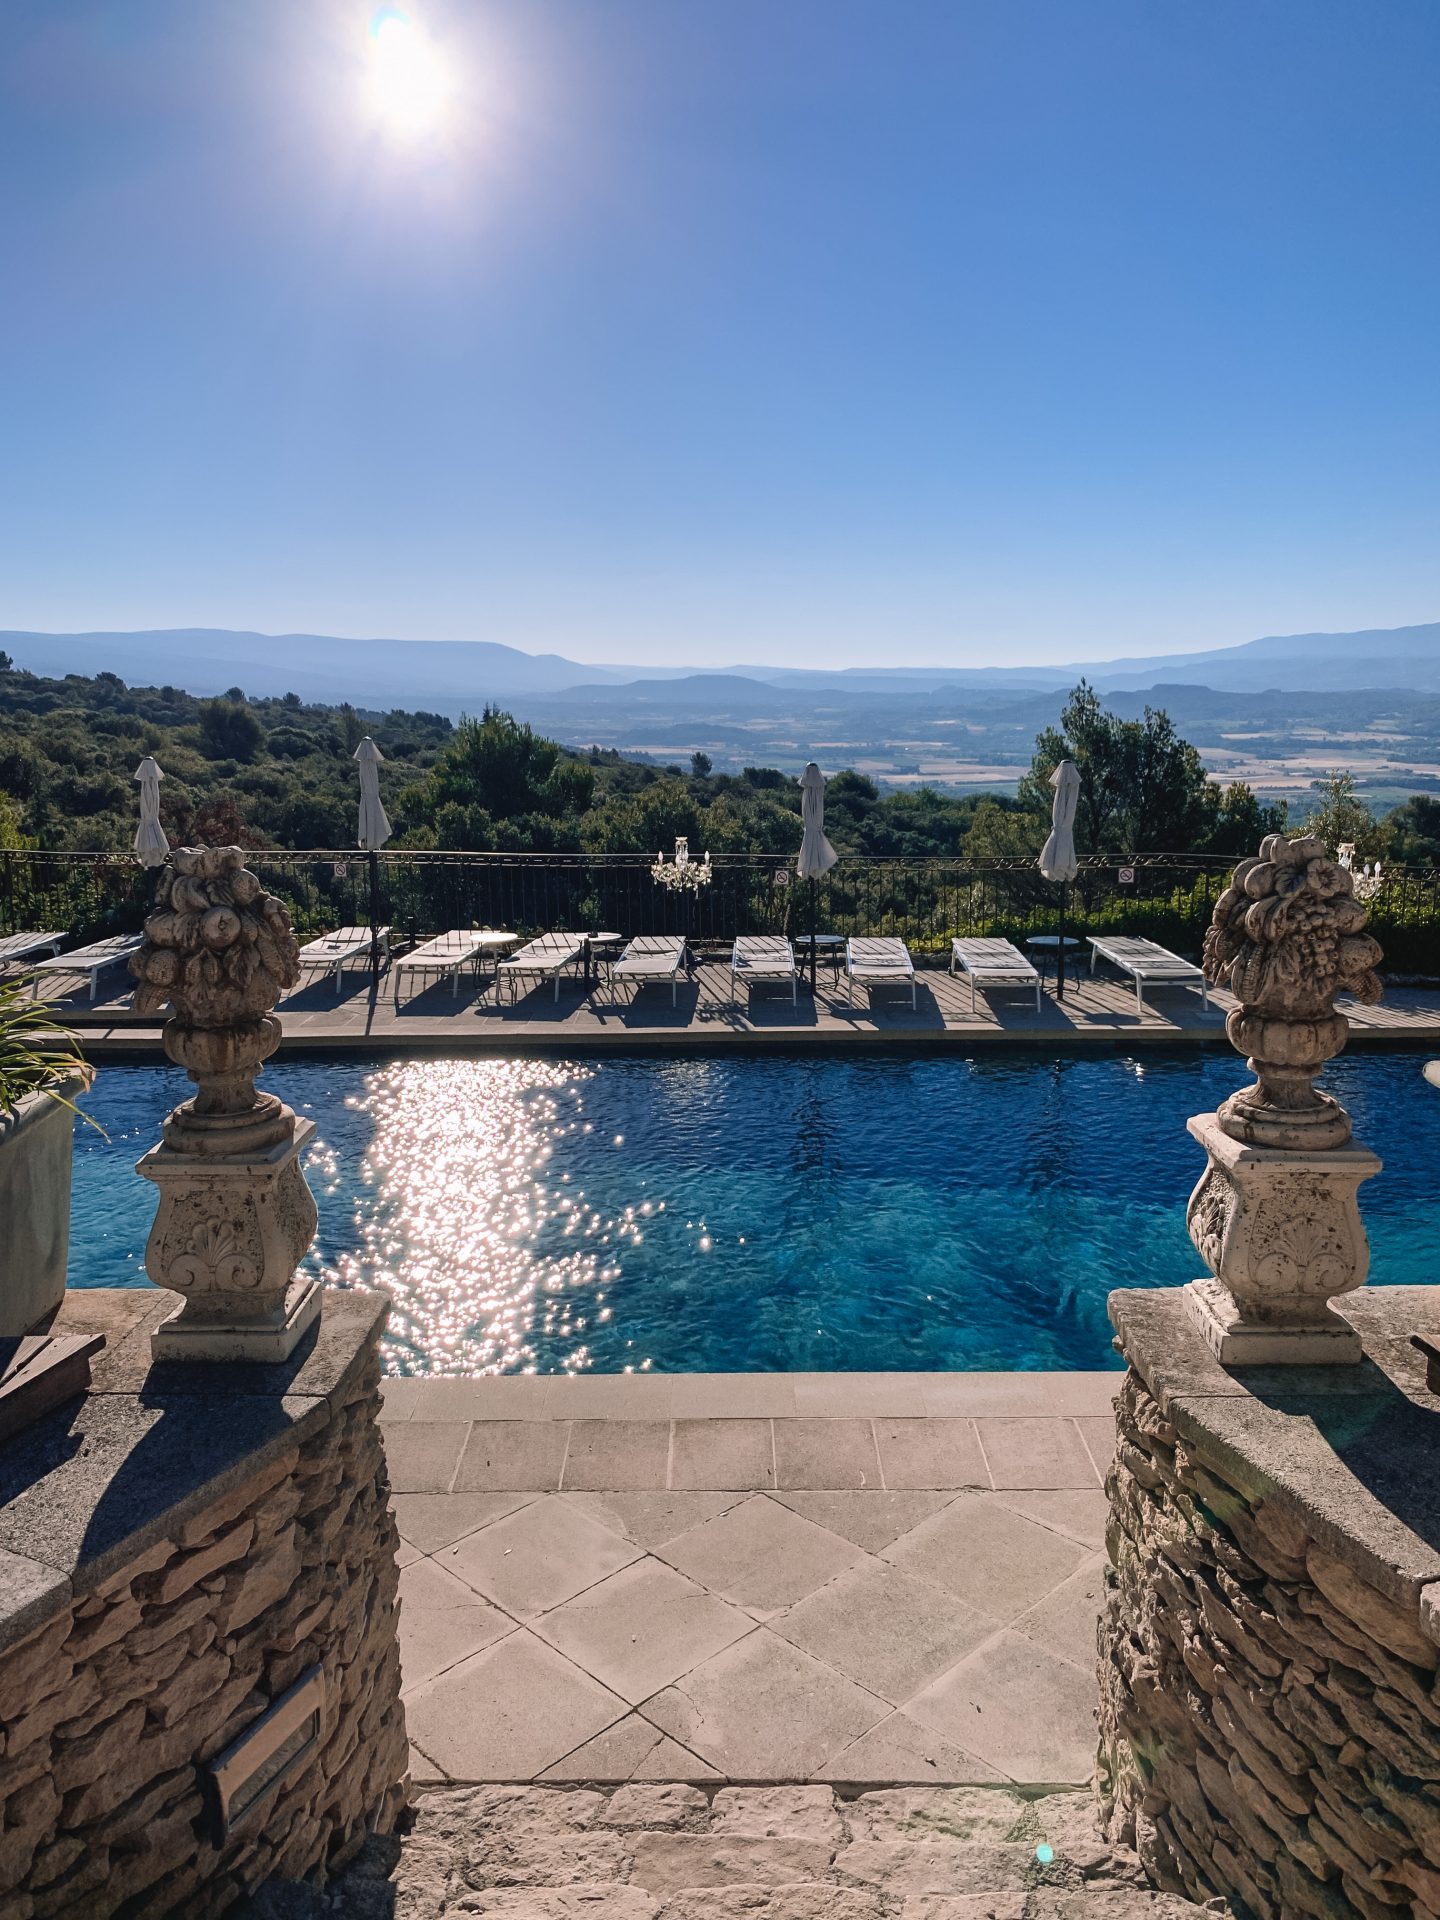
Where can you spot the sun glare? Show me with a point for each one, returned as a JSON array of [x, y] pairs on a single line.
[[410, 85]]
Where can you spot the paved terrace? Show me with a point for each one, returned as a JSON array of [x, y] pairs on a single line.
[[854, 1579], [1098, 1010]]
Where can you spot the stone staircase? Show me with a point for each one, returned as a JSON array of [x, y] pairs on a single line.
[[664, 1852]]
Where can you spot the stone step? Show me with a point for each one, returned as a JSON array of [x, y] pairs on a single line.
[[669, 1852]]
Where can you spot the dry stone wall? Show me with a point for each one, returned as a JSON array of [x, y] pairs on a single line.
[[111, 1703], [1270, 1727]]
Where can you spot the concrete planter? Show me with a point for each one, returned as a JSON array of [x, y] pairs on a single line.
[[35, 1156]]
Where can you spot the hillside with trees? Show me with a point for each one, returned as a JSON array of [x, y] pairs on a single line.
[[279, 772]]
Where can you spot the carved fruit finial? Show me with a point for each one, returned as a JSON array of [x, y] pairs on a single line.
[[1288, 934], [218, 948]]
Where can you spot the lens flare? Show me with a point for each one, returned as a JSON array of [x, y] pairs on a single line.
[[410, 85]]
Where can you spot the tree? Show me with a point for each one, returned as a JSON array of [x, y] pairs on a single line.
[[496, 768], [701, 766], [229, 730], [1414, 831], [1338, 815], [1142, 788]]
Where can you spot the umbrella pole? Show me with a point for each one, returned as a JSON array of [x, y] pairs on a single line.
[[374, 914], [812, 935], [1060, 949]]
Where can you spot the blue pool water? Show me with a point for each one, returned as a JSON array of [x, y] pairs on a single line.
[[755, 1214]]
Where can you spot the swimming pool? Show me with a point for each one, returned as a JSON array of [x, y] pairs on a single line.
[[754, 1214]]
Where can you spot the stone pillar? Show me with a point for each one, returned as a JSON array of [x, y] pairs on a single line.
[[235, 1216], [1275, 1215]]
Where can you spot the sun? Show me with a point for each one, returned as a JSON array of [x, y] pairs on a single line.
[[409, 82]]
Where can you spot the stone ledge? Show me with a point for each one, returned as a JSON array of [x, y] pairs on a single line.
[[1351, 1452], [93, 1484]]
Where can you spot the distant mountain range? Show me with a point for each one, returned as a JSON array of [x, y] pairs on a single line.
[[449, 676]]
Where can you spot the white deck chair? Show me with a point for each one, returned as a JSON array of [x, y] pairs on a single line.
[[334, 951], [762, 956], [993, 963], [542, 959], [652, 957], [91, 960], [448, 953], [876, 960], [17, 948], [1146, 961]]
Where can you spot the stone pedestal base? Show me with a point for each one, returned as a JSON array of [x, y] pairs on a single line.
[[182, 1337], [228, 1235], [1281, 1233], [1237, 1342]]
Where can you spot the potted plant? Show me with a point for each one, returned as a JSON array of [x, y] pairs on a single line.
[[40, 1070]]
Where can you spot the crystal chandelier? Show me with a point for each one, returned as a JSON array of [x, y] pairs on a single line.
[[681, 874]]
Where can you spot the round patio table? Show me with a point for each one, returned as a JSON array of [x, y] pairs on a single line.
[[828, 946], [1047, 946], [600, 952]]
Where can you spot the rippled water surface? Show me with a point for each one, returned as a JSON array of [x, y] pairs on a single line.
[[754, 1214]]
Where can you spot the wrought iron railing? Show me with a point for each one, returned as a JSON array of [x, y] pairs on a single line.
[[1167, 897]]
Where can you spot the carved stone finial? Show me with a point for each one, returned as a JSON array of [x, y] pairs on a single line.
[[1275, 1215], [235, 1216], [1287, 935]]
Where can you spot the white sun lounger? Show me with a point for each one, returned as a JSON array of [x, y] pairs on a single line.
[[875, 960], [762, 956], [333, 951], [448, 953], [17, 948], [1146, 962], [652, 957], [545, 959], [92, 960], [993, 963]]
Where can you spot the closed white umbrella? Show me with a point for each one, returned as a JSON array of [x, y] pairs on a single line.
[[151, 846], [1057, 857], [374, 831], [817, 856], [374, 827]]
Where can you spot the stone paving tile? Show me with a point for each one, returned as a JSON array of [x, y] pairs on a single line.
[[825, 1453], [1002, 1395], [930, 1453], [762, 1710], [722, 1454], [480, 1398], [1028, 1712], [1066, 1620], [900, 1751], [1077, 1512], [1099, 1436], [732, 1396], [886, 1630], [538, 1558], [650, 1519], [778, 1813], [406, 1555], [423, 1459], [632, 1749], [1036, 1453], [397, 1399], [519, 1456], [434, 1520], [509, 1712], [642, 1628], [872, 1520], [760, 1555], [423, 1770], [870, 1395], [617, 1456], [442, 1621], [610, 1396], [992, 1558]]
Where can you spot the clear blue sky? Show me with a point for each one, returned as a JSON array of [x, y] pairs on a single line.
[[816, 331]]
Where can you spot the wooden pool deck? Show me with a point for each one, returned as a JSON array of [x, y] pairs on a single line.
[[1098, 1012]]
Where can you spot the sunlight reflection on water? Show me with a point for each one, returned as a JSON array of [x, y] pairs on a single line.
[[479, 1245]]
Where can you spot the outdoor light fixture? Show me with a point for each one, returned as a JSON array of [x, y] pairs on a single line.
[[268, 1752], [682, 874]]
